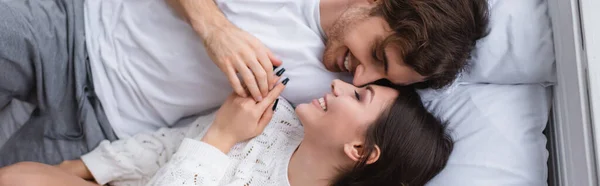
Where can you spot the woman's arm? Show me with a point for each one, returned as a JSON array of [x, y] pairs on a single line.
[[139, 157], [195, 163], [204, 162]]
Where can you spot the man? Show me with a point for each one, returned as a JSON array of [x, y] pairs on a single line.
[[148, 68]]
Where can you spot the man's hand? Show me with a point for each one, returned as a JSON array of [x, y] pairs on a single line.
[[230, 48], [235, 51], [77, 168]]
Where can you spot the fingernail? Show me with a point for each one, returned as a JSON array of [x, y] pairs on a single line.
[[274, 67], [280, 72], [259, 98], [285, 81], [275, 105]]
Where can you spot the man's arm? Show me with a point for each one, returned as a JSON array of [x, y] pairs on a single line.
[[230, 48], [203, 15]]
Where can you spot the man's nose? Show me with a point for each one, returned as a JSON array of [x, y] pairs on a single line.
[[364, 76]]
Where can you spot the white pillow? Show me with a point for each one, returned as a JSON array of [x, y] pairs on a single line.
[[519, 48], [498, 134]]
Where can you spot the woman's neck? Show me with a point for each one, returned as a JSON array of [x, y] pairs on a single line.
[[311, 167]]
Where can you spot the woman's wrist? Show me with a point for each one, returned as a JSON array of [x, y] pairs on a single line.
[[219, 140]]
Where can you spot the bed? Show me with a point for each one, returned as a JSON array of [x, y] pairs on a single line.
[[496, 111]]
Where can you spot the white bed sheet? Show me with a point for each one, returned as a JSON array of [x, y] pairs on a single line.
[[498, 134], [519, 48]]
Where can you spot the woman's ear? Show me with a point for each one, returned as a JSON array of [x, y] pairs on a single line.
[[356, 152], [374, 156], [353, 151]]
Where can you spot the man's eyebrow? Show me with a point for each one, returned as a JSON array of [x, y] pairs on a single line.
[[385, 62], [380, 46]]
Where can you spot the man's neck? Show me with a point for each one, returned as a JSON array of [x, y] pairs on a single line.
[[330, 11], [311, 167]]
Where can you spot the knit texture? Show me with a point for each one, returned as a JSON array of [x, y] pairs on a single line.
[[176, 156]]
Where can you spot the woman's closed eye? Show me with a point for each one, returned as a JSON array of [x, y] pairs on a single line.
[[357, 95]]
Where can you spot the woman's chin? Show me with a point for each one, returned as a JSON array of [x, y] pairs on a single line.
[[302, 109], [305, 112]]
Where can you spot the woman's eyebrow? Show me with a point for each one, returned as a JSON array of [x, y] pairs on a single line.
[[370, 88]]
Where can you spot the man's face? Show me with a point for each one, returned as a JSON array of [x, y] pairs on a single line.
[[353, 46]]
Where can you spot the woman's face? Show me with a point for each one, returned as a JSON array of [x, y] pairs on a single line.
[[344, 115]]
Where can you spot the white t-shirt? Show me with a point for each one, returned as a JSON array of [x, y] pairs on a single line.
[[150, 69]]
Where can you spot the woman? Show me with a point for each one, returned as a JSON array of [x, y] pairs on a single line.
[[372, 135]]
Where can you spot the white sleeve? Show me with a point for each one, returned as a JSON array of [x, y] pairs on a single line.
[[195, 163], [135, 159]]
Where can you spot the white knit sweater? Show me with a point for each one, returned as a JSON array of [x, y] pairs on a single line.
[[176, 156]]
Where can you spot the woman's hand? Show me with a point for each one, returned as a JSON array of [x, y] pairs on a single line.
[[240, 119]]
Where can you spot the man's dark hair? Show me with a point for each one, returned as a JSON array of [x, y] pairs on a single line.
[[414, 147], [435, 37]]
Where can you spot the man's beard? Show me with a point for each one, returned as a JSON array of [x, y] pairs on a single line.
[[336, 34]]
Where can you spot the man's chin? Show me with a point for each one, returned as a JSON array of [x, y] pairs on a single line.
[[331, 67]]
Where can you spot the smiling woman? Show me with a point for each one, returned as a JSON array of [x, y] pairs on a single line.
[[385, 135], [372, 135]]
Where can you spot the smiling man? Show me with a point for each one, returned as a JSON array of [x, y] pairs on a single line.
[[99, 69], [405, 41]]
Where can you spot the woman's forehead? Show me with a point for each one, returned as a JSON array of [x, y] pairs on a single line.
[[383, 94]]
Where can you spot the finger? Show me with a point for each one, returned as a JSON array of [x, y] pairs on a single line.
[[260, 73], [279, 73], [266, 117], [268, 68], [273, 82], [235, 82], [273, 94], [250, 81], [274, 60]]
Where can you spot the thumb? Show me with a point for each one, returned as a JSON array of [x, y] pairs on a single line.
[[267, 116], [274, 60]]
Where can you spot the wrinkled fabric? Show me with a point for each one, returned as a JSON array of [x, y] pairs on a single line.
[[43, 62]]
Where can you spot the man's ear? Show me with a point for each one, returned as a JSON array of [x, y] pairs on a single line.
[[356, 151]]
